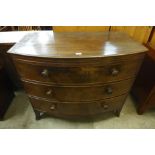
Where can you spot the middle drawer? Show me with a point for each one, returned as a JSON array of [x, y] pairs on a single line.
[[78, 93]]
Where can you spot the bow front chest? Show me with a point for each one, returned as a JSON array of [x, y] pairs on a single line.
[[77, 74]]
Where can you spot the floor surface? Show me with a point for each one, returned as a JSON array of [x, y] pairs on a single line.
[[20, 115]]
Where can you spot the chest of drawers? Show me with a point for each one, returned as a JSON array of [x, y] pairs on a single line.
[[77, 75]]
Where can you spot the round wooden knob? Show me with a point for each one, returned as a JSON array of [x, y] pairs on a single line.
[[49, 92], [52, 107], [114, 71], [105, 106], [45, 72], [109, 90]]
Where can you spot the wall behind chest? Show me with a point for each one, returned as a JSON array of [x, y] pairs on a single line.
[[139, 33], [80, 28]]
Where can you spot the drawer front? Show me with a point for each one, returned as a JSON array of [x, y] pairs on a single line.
[[86, 108], [74, 94], [78, 75]]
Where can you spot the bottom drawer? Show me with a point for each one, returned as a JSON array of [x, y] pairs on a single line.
[[81, 108]]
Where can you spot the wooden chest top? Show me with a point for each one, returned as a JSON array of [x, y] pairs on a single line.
[[51, 44]]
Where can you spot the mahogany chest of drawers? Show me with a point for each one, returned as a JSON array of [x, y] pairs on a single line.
[[77, 75]]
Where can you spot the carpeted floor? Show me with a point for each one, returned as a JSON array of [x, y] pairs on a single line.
[[20, 115]]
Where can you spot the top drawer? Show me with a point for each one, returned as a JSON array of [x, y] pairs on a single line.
[[77, 75]]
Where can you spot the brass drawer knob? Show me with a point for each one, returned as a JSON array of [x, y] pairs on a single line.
[[114, 71], [45, 73], [52, 107], [49, 92], [109, 90]]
